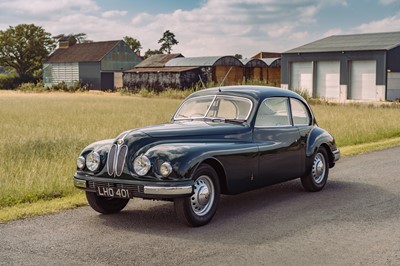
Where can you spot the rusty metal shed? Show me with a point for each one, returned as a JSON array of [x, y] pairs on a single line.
[[263, 69], [213, 68], [273, 70], [159, 78]]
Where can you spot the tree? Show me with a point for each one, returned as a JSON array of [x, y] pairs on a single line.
[[24, 48], [133, 43], [238, 56], [79, 37], [149, 53], [167, 41]]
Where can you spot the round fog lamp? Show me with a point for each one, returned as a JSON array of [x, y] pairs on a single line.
[[141, 165], [165, 169], [80, 162], [93, 161]]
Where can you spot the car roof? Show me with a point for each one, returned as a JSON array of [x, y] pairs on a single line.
[[255, 92]]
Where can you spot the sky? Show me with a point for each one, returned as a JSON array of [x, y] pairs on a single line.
[[207, 27]]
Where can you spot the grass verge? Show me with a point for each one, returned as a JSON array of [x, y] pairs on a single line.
[[41, 207], [41, 135]]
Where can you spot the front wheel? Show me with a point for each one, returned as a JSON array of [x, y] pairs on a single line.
[[105, 205], [199, 208], [316, 179]]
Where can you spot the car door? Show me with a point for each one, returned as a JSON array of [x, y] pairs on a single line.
[[279, 142]]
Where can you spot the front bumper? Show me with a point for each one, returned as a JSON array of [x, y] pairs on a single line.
[[336, 155], [140, 189]]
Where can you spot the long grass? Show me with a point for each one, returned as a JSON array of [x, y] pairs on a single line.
[[42, 134]]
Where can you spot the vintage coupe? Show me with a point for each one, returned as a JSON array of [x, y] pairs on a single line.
[[224, 140]]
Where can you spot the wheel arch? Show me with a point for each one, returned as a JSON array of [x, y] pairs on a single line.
[[219, 168]]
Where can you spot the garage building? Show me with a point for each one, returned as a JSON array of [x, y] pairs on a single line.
[[98, 65], [356, 67]]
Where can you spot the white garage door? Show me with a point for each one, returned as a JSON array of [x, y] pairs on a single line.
[[328, 79], [301, 77], [363, 80]]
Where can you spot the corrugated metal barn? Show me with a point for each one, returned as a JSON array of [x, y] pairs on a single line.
[[151, 73], [213, 68], [357, 66], [159, 79], [97, 64], [265, 69]]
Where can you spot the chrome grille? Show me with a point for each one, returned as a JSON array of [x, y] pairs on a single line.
[[116, 159], [121, 159], [132, 188], [111, 158]]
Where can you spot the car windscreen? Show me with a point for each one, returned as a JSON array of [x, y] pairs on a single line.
[[215, 106]]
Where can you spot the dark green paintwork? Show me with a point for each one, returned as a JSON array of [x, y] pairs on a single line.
[[245, 157]]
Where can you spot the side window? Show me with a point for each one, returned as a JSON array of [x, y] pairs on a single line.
[[273, 112], [300, 113]]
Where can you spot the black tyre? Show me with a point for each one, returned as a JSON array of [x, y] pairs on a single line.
[[199, 209], [316, 179], [105, 205]]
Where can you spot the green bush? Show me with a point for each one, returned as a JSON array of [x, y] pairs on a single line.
[[9, 81], [32, 87], [74, 87]]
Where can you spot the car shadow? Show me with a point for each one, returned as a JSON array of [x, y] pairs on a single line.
[[274, 212]]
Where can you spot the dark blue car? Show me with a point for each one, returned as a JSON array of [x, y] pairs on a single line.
[[224, 140]]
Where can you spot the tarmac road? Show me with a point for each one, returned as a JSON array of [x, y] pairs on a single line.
[[355, 220]]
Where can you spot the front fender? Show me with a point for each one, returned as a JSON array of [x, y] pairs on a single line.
[[183, 157], [186, 157], [316, 139]]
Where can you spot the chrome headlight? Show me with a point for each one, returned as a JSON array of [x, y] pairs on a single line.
[[141, 165], [93, 161], [165, 169], [81, 162]]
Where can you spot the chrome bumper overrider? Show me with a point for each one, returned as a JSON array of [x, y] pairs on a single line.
[[336, 155]]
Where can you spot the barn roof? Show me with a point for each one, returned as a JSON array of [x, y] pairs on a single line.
[[204, 61], [260, 62], [82, 52], [353, 42], [157, 60], [161, 69]]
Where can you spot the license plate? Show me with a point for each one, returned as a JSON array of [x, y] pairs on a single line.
[[113, 192]]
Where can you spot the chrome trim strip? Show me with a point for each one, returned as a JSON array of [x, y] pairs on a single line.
[[168, 190], [211, 104]]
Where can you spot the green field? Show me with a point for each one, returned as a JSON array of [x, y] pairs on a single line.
[[41, 135]]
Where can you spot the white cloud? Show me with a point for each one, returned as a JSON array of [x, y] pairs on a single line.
[[217, 27], [46, 6], [232, 26], [113, 13], [387, 2], [384, 25], [335, 31]]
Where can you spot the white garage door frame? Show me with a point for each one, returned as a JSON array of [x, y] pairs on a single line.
[[328, 79], [301, 76], [363, 80]]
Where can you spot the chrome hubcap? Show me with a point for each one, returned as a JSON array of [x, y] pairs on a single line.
[[318, 170], [203, 196]]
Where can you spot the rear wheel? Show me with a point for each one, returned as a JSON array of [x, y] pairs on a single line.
[[316, 179], [199, 208], [105, 205]]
